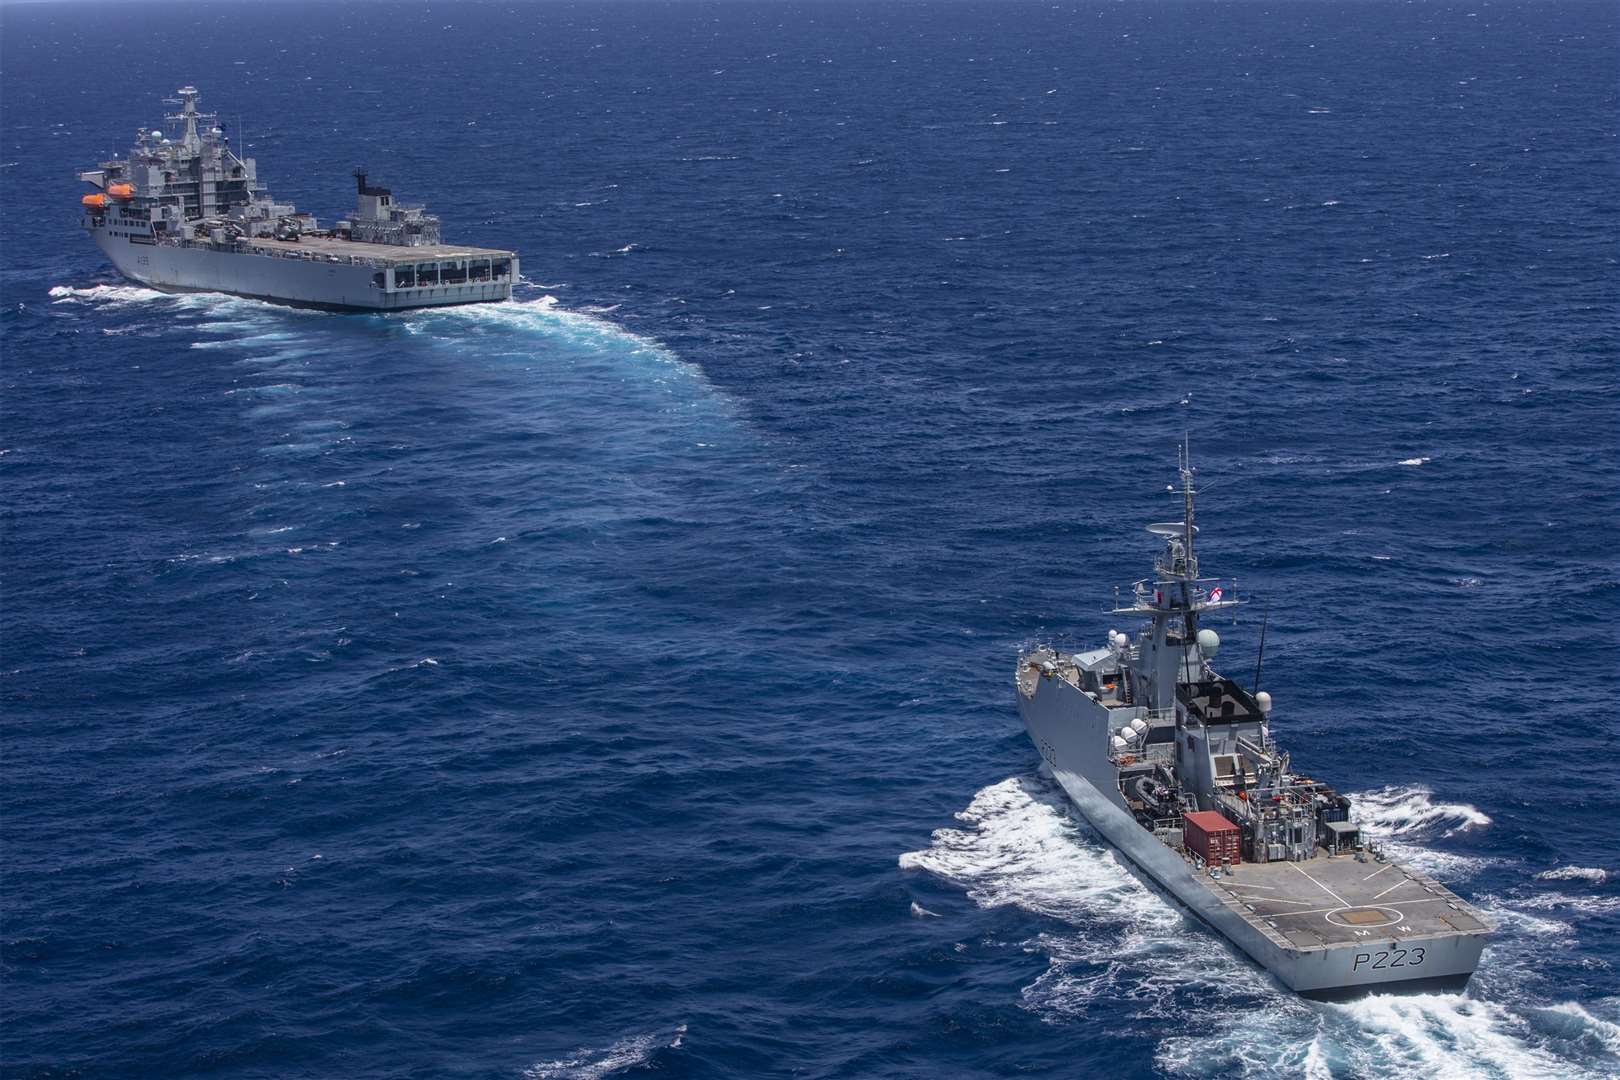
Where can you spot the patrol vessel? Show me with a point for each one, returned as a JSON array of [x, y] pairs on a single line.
[[1176, 766], [187, 214]]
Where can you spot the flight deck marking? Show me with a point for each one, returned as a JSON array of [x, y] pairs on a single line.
[[1246, 885], [1375, 873], [1395, 886], [1323, 887], [1395, 904], [1280, 900], [1313, 911]]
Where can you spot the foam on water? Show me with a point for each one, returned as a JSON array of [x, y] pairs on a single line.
[[1411, 812], [1575, 873], [108, 295], [118, 296], [1022, 846], [1405, 817], [632, 1052], [546, 317], [1584, 905], [1446, 1036]]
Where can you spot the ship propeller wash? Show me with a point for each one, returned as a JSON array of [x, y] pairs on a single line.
[[187, 214], [1175, 765]]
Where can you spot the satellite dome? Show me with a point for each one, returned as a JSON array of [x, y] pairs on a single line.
[[1209, 643], [1263, 700]]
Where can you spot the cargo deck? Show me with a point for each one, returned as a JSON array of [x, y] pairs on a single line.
[[380, 255]]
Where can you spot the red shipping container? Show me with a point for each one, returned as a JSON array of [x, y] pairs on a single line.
[[1212, 837]]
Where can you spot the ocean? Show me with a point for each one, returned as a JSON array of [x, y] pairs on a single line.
[[617, 682]]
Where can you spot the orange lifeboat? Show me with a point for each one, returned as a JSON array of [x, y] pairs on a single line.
[[121, 191], [94, 201]]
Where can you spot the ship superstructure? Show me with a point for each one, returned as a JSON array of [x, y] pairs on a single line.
[[1176, 766], [187, 213]]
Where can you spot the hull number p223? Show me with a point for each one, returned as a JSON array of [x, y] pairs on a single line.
[[1388, 958]]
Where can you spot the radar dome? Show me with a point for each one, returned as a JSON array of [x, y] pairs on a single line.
[[1209, 643], [1263, 700]]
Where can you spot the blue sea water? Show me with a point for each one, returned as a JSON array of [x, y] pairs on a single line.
[[617, 681]]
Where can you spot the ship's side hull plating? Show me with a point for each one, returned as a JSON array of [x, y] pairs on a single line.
[[329, 286], [1070, 731]]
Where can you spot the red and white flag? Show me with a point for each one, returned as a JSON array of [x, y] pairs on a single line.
[[1215, 595]]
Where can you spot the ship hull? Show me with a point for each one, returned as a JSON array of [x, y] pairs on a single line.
[[308, 284], [1067, 727]]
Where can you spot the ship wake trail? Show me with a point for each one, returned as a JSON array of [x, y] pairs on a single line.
[[578, 332], [1019, 845], [637, 1053], [1442, 1036]]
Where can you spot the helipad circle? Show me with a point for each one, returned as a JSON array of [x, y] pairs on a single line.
[[1364, 916]]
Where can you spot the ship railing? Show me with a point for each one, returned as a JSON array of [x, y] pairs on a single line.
[[1153, 753], [294, 253], [1253, 748], [1150, 595]]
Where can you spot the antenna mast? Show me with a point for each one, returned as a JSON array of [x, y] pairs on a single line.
[[1187, 493], [1260, 657]]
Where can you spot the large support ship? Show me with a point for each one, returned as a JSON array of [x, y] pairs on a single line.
[[187, 214], [1175, 765]]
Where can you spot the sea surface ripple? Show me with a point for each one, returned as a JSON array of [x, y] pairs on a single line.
[[615, 681]]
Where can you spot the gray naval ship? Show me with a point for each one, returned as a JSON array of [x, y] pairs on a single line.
[[187, 214], [1175, 765]]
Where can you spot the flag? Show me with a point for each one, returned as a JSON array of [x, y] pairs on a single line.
[[1215, 597]]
